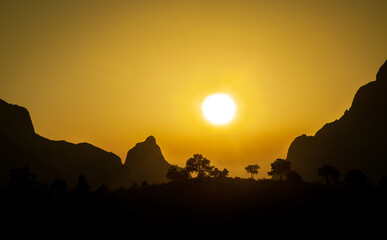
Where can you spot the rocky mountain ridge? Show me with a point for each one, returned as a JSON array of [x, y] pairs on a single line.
[[358, 140], [48, 159]]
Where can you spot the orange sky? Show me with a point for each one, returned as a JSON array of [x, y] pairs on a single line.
[[112, 73]]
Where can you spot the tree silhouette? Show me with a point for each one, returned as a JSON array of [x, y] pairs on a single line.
[[216, 173], [82, 186], [294, 177], [252, 169], [224, 173], [176, 174], [199, 164], [329, 173], [355, 178], [280, 167], [22, 180]]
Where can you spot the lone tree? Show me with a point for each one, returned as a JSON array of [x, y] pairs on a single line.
[[199, 164], [329, 173], [252, 169], [280, 167]]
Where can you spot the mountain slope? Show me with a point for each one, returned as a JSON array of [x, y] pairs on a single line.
[[356, 141]]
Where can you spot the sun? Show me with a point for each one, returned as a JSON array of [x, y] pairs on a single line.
[[219, 109]]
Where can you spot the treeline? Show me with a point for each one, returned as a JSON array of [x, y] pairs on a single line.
[[280, 169], [206, 199]]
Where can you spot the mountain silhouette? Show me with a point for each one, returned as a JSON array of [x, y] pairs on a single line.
[[21, 146], [145, 162], [355, 141]]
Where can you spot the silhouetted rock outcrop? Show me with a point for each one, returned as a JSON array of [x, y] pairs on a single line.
[[15, 121], [145, 162], [20, 146], [358, 140]]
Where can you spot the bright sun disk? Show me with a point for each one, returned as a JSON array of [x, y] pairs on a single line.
[[219, 108]]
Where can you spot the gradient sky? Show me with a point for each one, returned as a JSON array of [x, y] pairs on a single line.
[[112, 73]]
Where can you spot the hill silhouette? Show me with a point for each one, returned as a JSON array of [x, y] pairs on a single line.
[[355, 141], [48, 159], [145, 162]]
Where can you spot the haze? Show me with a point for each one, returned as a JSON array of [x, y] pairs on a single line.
[[112, 73]]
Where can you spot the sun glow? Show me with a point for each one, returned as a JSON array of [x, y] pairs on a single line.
[[219, 109]]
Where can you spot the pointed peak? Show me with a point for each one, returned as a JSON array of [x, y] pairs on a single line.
[[151, 140], [382, 73]]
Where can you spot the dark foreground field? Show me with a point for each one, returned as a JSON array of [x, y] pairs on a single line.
[[196, 205]]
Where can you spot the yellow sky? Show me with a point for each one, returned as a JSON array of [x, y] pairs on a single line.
[[112, 73]]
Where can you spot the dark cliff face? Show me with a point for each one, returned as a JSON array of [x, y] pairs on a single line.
[[145, 162], [15, 121], [356, 141]]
